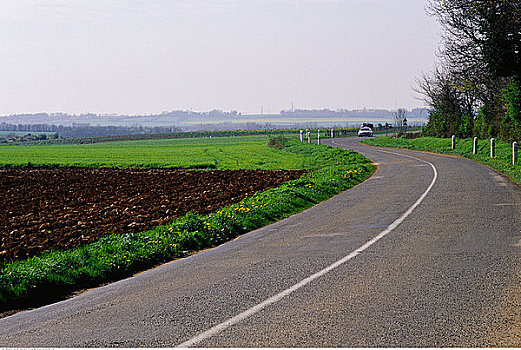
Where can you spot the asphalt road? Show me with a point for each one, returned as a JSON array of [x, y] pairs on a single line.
[[426, 253]]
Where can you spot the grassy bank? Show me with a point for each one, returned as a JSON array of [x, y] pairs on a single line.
[[502, 162], [54, 275]]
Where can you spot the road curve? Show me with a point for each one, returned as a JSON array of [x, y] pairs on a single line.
[[446, 272]]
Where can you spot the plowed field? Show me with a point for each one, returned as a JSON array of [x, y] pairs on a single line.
[[45, 207]]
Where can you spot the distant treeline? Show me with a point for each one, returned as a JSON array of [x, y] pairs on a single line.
[[43, 140], [180, 117], [346, 113], [81, 130], [175, 113]]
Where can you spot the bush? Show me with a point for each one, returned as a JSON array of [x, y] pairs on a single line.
[[277, 142]]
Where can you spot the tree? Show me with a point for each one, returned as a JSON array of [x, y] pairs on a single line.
[[481, 34], [476, 90], [399, 118], [453, 102]]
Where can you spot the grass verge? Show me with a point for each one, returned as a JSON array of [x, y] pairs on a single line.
[[502, 162], [56, 274]]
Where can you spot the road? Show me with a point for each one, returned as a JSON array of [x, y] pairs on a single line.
[[426, 253]]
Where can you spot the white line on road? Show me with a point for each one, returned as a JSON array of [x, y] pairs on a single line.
[[253, 310]]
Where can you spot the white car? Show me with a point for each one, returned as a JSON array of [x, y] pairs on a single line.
[[365, 131]]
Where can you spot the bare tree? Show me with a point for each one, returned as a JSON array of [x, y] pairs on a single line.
[[399, 118], [466, 89]]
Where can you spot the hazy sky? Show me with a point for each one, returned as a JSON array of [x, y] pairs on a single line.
[[149, 56]]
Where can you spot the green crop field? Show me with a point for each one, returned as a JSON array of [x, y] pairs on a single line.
[[244, 152]]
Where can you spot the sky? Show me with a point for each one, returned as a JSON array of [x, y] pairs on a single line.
[[150, 56]]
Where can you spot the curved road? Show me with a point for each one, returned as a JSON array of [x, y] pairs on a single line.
[[426, 253]]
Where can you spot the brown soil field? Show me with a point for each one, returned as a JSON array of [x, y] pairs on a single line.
[[44, 208]]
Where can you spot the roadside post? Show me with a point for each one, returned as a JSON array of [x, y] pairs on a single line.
[[318, 137], [475, 146], [332, 133], [492, 148], [514, 153], [453, 144], [309, 136], [301, 136]]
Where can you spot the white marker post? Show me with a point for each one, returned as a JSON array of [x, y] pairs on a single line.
[[332, 133], [514, 153], [492, 148], [309, 137], [475, 146], [318, 137], [453, 145], [301, 136]]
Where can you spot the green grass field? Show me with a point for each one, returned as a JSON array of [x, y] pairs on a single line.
[[502, 162], [244, 152]]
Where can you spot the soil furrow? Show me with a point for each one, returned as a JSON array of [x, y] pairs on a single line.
[[46, 208]]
